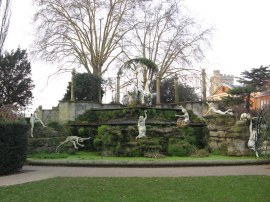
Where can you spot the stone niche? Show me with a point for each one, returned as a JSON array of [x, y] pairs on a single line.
[[228, 134]]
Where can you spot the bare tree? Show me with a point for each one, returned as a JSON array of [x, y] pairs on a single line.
[[165, 34], [5, 14], [86, 32]]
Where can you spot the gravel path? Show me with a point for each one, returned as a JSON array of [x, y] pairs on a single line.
[[36, 173]]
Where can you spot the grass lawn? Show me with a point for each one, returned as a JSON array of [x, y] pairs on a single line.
[[82, 155], [199, 189]]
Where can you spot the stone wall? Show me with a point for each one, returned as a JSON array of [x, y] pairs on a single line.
[[228, 135], [70, 110], [198, 108]]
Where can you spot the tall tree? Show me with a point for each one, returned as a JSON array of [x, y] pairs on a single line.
[[87, 32], [5, 14], [185, 92], [255, 80], [86, 86], [15, 79], [165, 34]]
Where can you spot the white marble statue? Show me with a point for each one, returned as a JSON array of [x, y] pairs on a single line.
[[147, 95], [141, 126], [245, 117], [217, 111], [185, 116], [131, 96], [74, 140], [252, 139], [34, 119]]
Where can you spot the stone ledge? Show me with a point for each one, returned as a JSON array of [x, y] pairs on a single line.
[[154, 163]]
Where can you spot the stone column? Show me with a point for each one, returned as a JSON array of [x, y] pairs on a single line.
[[203, 85], [39, 112], [118, 89], [176, 90], [158, 91], [72, 87]]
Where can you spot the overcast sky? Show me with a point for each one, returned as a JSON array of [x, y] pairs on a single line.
[[240, 41]]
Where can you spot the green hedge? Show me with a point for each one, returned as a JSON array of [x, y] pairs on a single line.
[[13, 146], [180, 148]]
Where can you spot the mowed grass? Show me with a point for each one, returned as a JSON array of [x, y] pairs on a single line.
[[199, 189]]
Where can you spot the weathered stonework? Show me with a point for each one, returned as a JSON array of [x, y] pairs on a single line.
[[225, 131], [70, 110]]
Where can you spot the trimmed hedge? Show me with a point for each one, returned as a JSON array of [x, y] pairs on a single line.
[[13, 146]]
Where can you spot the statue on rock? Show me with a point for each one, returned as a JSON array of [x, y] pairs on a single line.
[[147, 95], [217, 111], [245, 117], [139, 73], [252, 138], [183, 120], [34, 119], [252, 132], [141, 126]]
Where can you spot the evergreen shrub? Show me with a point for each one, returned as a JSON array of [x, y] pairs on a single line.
[[13, 146], [180, 148]]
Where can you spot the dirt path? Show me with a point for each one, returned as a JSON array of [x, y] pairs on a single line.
[[35, 173]]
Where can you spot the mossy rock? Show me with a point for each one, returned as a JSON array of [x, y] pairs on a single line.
[[39, 131], [126, 114], [44, 144], [219, 119]]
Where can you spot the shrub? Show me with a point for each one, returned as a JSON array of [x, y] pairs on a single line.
[[13, 146], [89, 115], [181, 148], [97, 143], [98, 140], [62, 130], [169, 114], [101, 129]]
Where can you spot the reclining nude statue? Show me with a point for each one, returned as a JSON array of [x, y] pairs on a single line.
[[34, 119], [141, 126], [74, 140], [217, 111]]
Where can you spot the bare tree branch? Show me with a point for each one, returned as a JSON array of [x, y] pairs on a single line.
[[5, 15], [169, 37], [87, 30]]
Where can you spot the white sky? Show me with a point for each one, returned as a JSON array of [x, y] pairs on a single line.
[[240, 41]]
